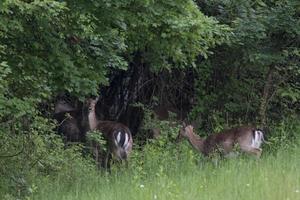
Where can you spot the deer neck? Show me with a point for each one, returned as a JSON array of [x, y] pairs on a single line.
[[93, 121], [196, 141]]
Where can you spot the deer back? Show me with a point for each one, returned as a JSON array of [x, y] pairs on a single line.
[[68, 122], [118, 137], [62, 106], [248, 138]]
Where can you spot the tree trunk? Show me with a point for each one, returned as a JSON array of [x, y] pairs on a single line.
[[265, 96]]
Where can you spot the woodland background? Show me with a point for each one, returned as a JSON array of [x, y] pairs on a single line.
[[215, 63]]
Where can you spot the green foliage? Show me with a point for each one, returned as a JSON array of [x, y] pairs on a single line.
[[166, 23], [97, 137], [24, 156], [47, 52], [284, 135], [265, 40], [164, 33], [161, 156]]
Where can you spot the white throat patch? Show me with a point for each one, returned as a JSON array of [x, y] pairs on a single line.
[[92, 120]]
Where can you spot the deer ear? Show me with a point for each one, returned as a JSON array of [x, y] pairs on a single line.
[[183, 124]]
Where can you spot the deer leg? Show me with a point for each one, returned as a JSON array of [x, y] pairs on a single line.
[[106, 161], [96, 155]]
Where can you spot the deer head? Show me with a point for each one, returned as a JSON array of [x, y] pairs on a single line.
[[62, 106], [188, 133]]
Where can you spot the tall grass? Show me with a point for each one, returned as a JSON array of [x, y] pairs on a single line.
[[163, 169], [271, 177]]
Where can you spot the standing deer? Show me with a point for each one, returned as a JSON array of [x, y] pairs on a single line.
[[117, 135], [248, 138]]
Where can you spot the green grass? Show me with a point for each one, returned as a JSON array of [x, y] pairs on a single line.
[[270, 178]]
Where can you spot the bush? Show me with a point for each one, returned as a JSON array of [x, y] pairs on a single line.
[[162, 156], [26, 157], [284, 134]]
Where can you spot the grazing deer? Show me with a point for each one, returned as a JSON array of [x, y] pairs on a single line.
[[68, 124], [117, 135], [248, 138]]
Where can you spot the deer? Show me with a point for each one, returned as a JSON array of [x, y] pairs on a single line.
[[248, 138], [68, 122], [117, 135]]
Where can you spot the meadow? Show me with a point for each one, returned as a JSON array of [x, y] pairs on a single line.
[[188, 176]]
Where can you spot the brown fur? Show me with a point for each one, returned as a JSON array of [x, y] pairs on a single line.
[[68, 122], [107, 128], [224, 141]]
